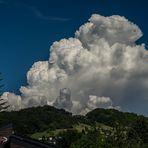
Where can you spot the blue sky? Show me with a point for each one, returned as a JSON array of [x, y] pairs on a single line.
[[29, 27]]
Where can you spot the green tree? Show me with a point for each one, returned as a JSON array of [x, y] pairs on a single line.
[[141, 128], [68, 137], [94, 138], [116, 137], [132, 139], [1, 85], [3, 104]]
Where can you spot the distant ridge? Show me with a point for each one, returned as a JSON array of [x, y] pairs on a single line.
[[37, 119]]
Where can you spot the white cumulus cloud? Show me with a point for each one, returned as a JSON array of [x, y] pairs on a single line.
[[101, 65]]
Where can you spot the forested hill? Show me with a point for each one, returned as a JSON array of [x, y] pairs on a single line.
[[37, 119], [111, 117]]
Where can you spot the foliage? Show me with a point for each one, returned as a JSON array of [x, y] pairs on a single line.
[[68, 137], [97, 138], [31, 120], [3, 104], [111, 117], [100, 128], [140, 127], [1, 85]]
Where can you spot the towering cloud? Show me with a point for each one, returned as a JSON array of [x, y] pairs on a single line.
[[102, 66], [64, 100]]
